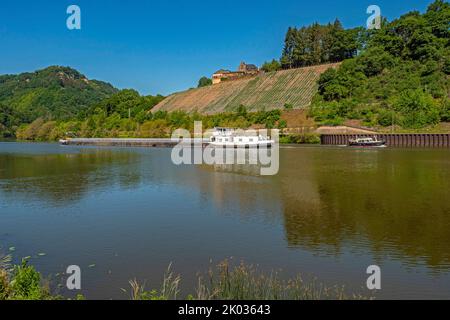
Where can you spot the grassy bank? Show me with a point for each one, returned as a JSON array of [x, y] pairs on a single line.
[[222, 282]]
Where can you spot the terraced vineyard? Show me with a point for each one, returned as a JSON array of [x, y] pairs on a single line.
[[266, 91]]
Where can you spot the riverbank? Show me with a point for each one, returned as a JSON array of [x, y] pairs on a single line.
[[306, 138], [430, 140], [222, 282]]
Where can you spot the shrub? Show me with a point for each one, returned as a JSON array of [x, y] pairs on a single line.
[[282, 124], [445, 111], [375, 60], [26, 283], [30, 132], [44, 132], [288, 106], [417, 108], [305, 138], [5, 288], [386, 118]]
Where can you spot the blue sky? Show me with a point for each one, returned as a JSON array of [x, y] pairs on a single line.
[[164, 46]]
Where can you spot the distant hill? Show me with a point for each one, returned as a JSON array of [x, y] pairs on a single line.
[[54, 93], [265, 92]]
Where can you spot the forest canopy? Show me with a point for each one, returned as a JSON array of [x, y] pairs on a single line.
[[400, 77], [54, 93]]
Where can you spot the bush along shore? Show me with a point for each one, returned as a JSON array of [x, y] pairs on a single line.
[[222, 282]]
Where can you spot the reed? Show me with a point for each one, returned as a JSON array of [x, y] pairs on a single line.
[[169, 290], [244, 282], [5, 262], [5, 267]]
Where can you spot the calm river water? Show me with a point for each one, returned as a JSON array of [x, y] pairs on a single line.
[[124, 213]]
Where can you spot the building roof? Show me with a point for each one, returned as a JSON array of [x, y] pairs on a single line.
[[251, 67]]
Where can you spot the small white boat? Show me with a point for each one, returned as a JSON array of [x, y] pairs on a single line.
[[64, 142], [230, 138], [367, 142]]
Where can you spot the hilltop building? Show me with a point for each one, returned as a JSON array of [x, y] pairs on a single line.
[[244, 70]]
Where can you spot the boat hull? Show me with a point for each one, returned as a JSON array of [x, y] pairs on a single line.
[[259, 144], [378, 144]]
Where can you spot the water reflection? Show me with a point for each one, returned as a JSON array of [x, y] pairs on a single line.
[[64, 178], [391, 202]]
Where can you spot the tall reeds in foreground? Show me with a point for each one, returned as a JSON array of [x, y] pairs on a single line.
[[169, 289], [243, 282]]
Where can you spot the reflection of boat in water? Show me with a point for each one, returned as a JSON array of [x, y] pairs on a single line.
[[240, 169], [226, 137], [367, 142]]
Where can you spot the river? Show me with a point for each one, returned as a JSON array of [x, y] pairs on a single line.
[[125, 213]]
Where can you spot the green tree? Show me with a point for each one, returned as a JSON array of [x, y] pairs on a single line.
[[438, 17], [417, 108], [271, 66], [204, 82], [290, 42]]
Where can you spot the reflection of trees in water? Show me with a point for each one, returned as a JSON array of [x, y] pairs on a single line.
[[394, 202], [63, 178]]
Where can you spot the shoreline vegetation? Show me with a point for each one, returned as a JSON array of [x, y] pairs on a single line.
[[161, 124], [222, 282]]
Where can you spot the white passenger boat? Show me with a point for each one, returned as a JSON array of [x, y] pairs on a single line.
[[64, 142], [231, 138], [367, 142]]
